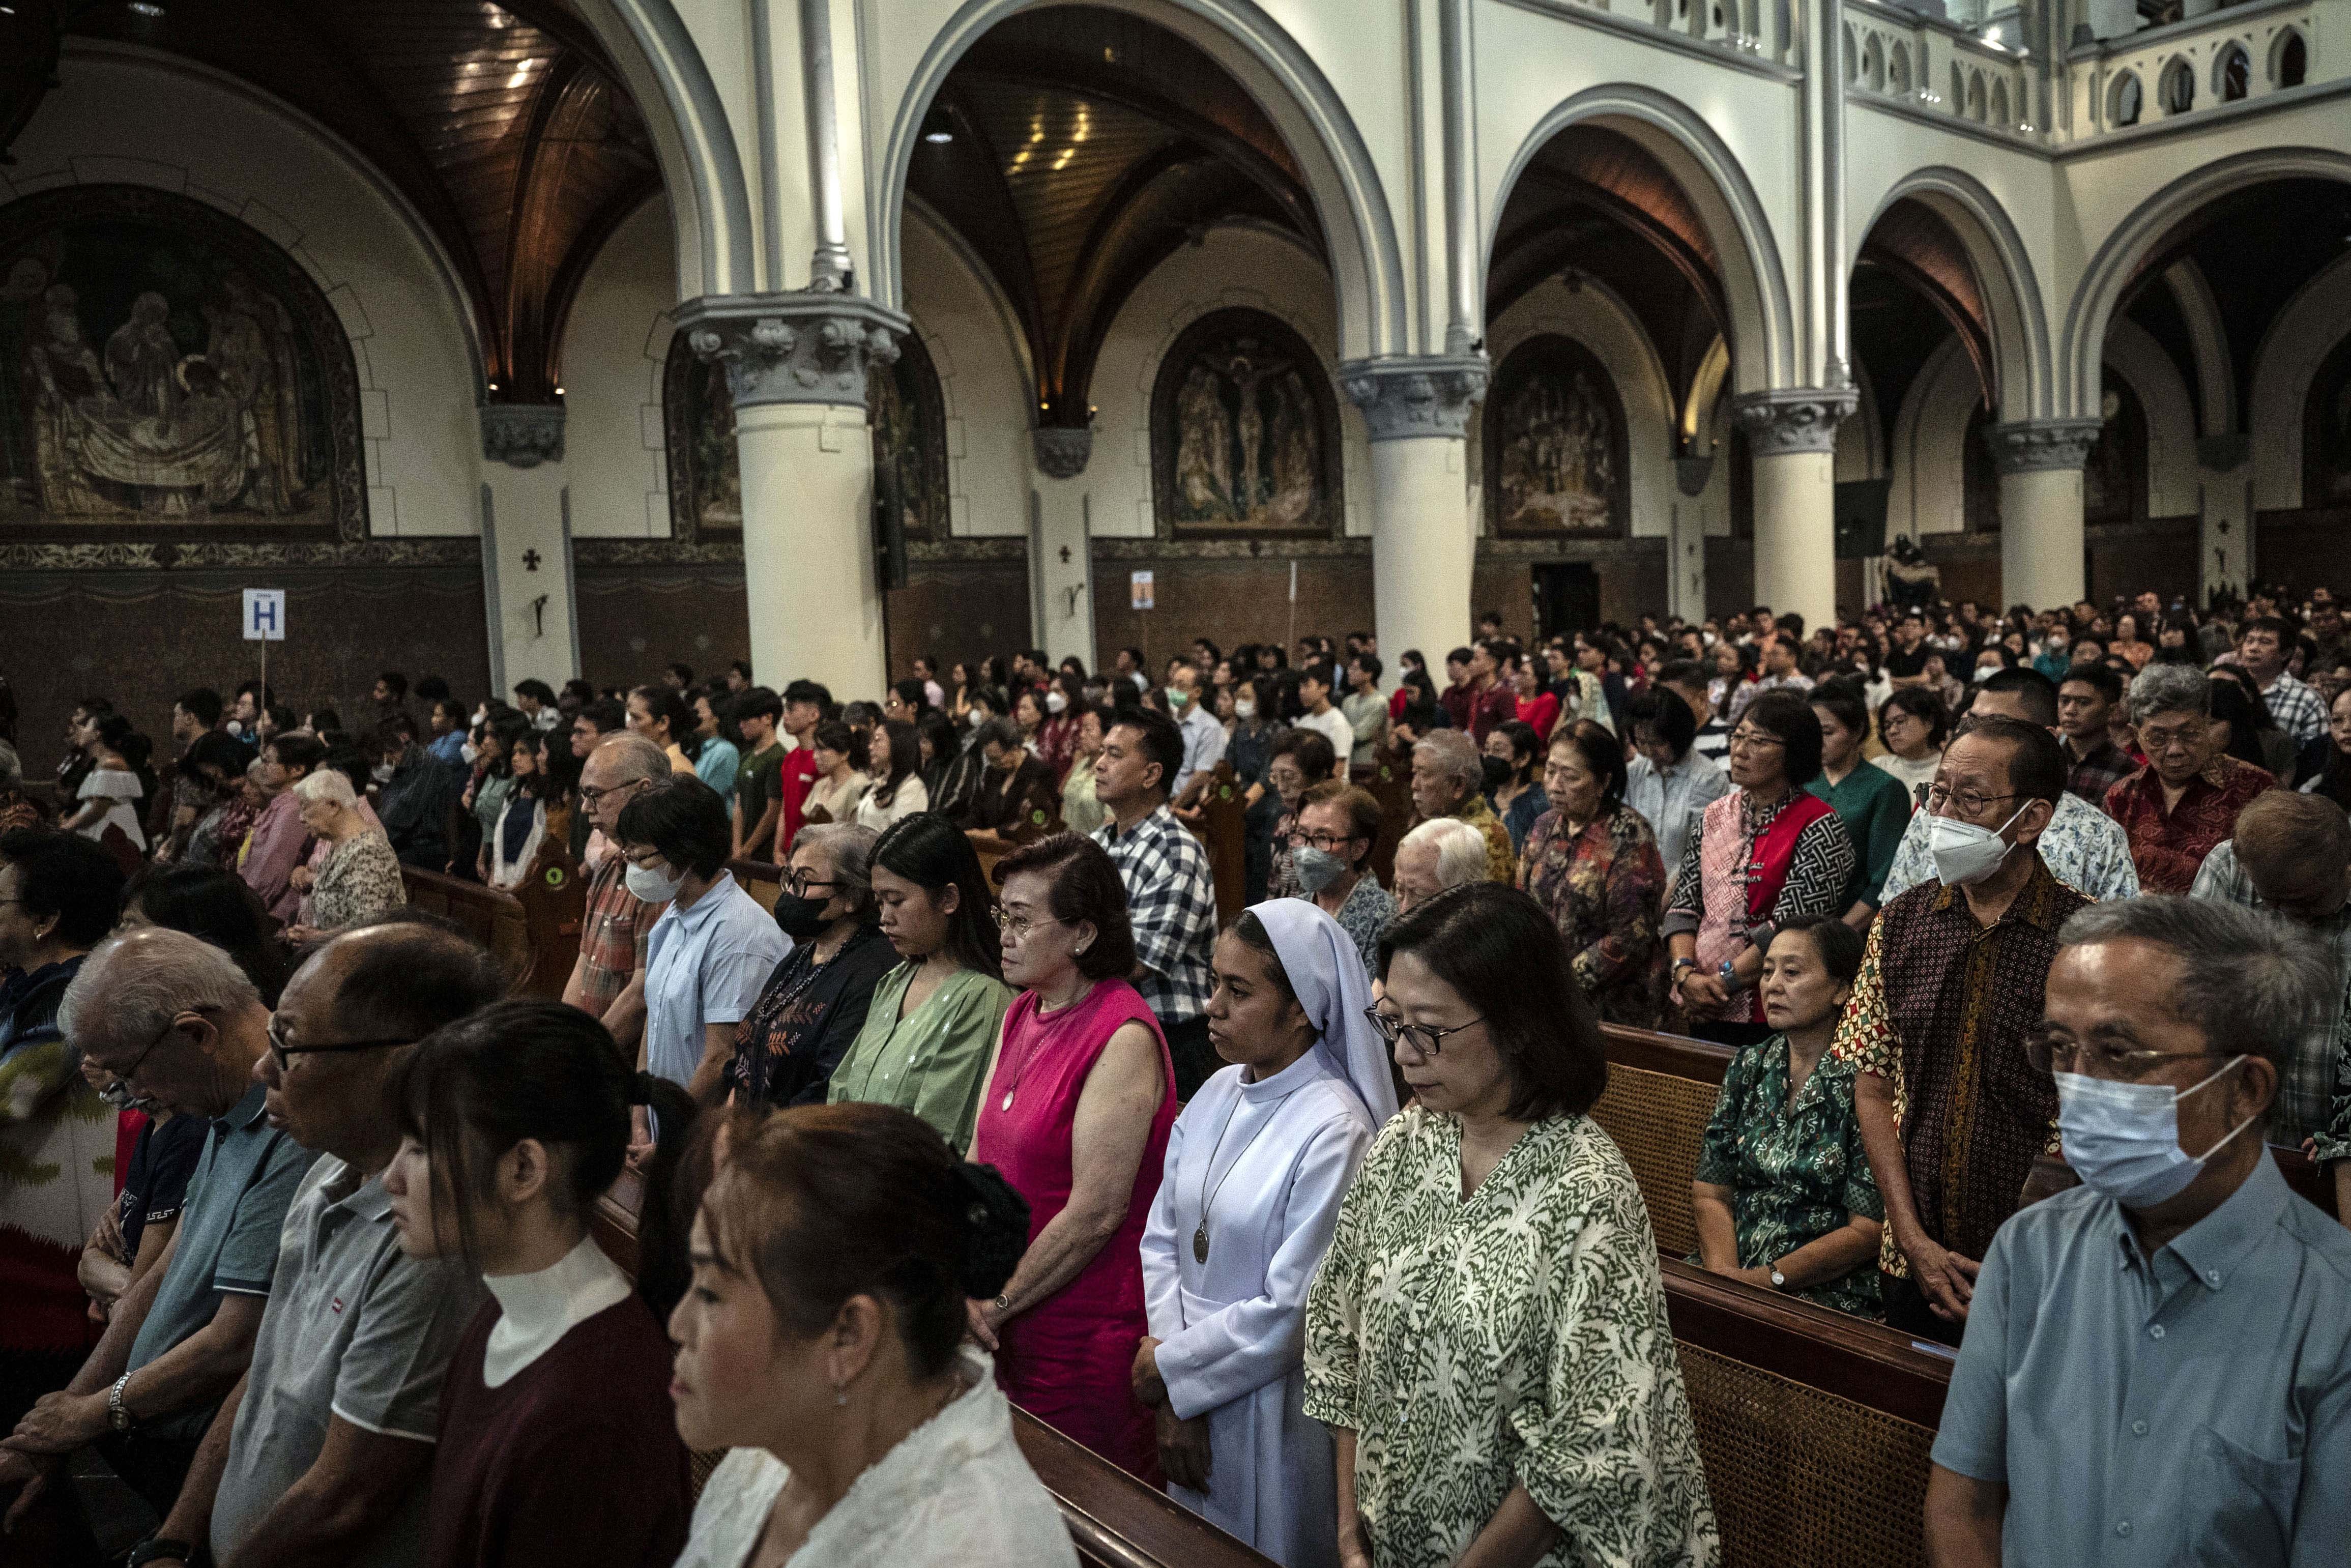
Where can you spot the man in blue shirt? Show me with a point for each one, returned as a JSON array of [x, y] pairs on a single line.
[[2157, 1362]]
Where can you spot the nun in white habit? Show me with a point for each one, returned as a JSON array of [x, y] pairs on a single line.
[[1256, 1166]]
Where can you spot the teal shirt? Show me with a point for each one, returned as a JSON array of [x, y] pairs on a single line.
[[1875, 809], [716, 764]]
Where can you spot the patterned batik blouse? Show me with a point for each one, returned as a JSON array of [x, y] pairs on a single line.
[[1518, 1335], [1606, 888], [1796, 1172]]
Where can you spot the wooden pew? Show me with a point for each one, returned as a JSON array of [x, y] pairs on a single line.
[[1223, 832], [534, 930], [1390, 783], [763, 880], [1113, 1519]]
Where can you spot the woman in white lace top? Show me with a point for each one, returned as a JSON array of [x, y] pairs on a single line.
[[820, 1342]]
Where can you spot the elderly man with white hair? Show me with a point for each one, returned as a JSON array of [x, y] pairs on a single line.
[[179, 1024], [359, 878], [1440, 853], [1448, 780]]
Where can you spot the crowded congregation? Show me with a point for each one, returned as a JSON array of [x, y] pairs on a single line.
[[1175, 784], [931, 1032]]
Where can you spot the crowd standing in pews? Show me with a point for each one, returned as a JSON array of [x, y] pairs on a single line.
[[1431, 1336]]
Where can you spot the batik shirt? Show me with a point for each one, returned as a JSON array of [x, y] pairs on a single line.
[[2168, 844], [1516, 1336], [1941, 1010], [1796, 1172], [1605, 889]]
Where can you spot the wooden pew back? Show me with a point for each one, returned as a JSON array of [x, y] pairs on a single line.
[[1661, 1090], [534, 931], [1390, 783], [1224, 832]]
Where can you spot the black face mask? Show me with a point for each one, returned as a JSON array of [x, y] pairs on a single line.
[[800, 918]]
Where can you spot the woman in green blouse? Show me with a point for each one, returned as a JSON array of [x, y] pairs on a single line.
[[1783, 1196], [1486, 1336], [933, 1022]]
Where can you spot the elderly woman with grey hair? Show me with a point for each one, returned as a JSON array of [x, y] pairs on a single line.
[[2187, 798], [359, 879], [1440, 853], [815, 1003], [1448, 780]]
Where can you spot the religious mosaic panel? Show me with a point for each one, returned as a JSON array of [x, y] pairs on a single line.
[[2114, 475], [2327, 432], [173, 382], [904, 406], [1556, 458], [1244, 432]]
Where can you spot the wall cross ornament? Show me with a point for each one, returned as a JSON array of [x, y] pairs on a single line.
[[530, 560]]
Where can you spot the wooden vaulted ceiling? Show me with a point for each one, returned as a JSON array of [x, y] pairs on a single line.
[[1077, 148], [503, 126]]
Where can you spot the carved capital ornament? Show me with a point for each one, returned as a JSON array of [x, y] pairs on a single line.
[[2034, 444], [522, 434], [1428, 394], [1778, 423], [804, 347], [1062, 453]]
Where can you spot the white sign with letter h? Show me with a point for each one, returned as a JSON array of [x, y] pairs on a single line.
[[265, 615]]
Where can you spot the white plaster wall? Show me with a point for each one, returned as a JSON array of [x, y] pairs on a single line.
[[1861, 439], [983, 382], [1594, 317], [1927, 460], [615, 343], [125, 117], [2315, 319], [1284, 282], [2171, 481]]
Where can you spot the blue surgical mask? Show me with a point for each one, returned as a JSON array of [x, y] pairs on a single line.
[[2123, 1139], [1317, 869]]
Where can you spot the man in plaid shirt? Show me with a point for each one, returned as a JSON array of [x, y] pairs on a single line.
[[2261, 653], [2292, 856], [1171, 900], [608, 982]]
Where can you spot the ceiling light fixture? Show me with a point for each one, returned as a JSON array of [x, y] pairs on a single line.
[[145, 8], [938, 130]]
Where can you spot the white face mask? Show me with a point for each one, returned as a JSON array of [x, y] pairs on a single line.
[[1244, 710], [470, 752], [380, 772], [1963, 852], [2123, 1139], [651, 885], [977, 717], [1056, 702]]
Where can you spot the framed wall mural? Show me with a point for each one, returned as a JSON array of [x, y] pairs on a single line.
[[178, 390], [1244, 432], [1556, 455], [904, 406], [2114, 475]]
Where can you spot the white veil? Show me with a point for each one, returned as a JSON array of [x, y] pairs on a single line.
[[1327, 973]]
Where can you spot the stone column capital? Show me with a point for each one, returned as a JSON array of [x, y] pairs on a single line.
[[522, 434], [1422, 394], [1061, 451], [1794, 420], [2031, 445], [796, 348]]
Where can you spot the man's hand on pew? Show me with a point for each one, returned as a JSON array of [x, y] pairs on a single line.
[[1947, 1279]]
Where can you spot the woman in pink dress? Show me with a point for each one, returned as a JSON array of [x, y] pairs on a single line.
[[1079, 1101]]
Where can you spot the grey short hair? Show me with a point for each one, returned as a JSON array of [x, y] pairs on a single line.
[[850, 849], [2254, 984], [1000, 732], [2169, 688], [1452, 755], [327, 787], [632, 757], [1460, 850], [133, 985]]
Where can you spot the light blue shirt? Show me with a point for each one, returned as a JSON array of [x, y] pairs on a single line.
[[1672, 800], [2194, 1407], [703, 965], [1203, 744], [716, 764], [2085, 849]]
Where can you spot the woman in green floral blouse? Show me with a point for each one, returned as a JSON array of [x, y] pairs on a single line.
[[1486, 1336], [1783, 1194]]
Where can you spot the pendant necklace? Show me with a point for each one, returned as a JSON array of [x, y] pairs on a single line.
[[1208, 1198], [1014, 1087]]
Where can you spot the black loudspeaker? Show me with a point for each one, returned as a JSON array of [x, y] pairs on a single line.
[[1861, 517], [889, 525]]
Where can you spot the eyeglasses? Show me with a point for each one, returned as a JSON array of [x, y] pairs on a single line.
[[592, 795], [1018, 926], [1326, 842], [132, 1071], [1754, 737], [2050, 1054], [1425, 1039], [284, 1052], [798, 883], [1970, 802]]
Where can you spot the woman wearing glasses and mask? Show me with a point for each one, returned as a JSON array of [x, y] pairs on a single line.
[[1256, 1167], [1080, 1098], [1487, 1338], [1764, 854], [814, 1005]]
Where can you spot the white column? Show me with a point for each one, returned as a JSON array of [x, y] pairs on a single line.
[[2224, 484], [2041, 539], [1424, 540], [1060, 544], [1791, 438], [1686, 539], [527, 546], [795, 366]]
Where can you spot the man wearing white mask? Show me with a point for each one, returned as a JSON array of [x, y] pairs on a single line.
[[1952, 1114], [1256, 1167], [2155, 1367]]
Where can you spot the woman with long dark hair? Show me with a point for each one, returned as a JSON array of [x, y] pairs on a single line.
[[2334, 781], [509, 848], [896, 759], [933, 1019], [659, 714], [554, 1445]]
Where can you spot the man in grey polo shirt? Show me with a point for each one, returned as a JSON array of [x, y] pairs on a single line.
[[178, 1021], [321, 1453], [2157, 1362]]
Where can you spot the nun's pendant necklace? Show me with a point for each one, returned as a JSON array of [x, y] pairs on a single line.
[[1207, 1197]]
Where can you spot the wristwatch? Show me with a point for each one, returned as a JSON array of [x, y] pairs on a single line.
[[1779, 1280], [117, 1414], [157, 1546], [1728, 972], [1681, 964], [1003, 1303]]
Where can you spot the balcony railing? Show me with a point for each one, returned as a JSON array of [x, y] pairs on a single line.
[[2238, 54], [1897, 53]]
